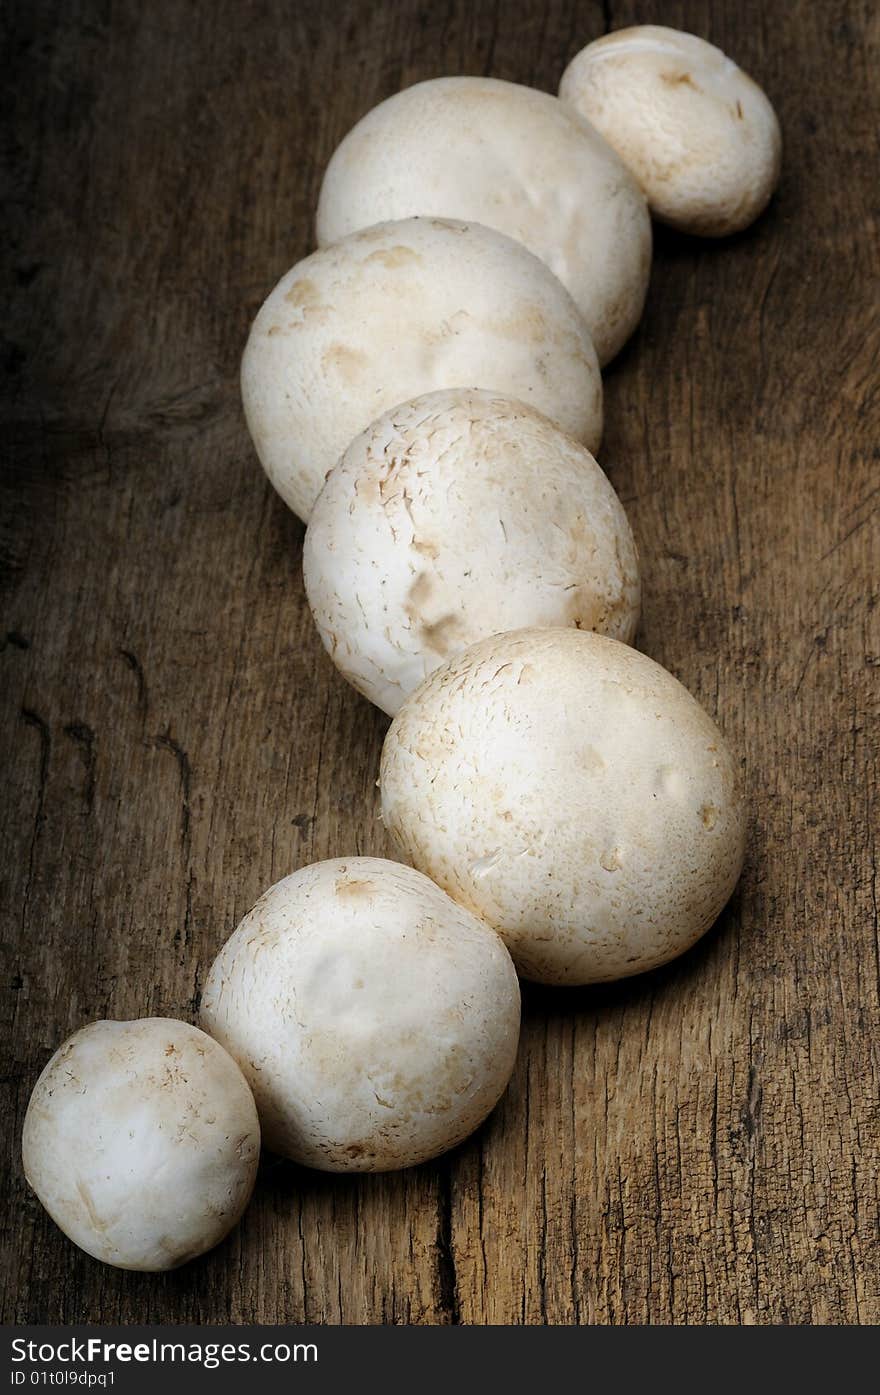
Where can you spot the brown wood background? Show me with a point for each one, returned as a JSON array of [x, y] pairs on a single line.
[[699, 1145]]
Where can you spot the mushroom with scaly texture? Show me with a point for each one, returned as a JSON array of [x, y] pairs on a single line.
[[456, 516]]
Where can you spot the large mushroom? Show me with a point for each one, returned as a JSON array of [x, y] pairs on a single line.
[[376, 1020], [572, 793], [457, 516], [517, 160]]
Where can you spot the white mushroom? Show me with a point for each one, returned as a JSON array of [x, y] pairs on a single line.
[[698, 134], [514, 159], [398, 310], [141, 1140], [457, 516], [376, 1020], [572, 793]]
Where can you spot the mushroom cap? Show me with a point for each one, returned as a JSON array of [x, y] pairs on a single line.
[[141, 1140], [454, 517], [398, 310], [698, 134], [514, 159], [376, 1020], [572, 793]]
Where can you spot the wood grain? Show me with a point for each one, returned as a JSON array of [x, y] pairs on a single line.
[[700, 1145]]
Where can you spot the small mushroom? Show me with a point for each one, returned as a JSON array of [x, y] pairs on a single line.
[[457, 516], [572, 793], [376, 1020], [698, 134], [141, 1140], [396, 311], [517, 160]]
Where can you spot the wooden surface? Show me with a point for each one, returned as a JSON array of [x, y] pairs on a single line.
[[699, 1145]]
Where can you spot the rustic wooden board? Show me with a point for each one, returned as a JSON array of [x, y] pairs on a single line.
[[699, 1145]]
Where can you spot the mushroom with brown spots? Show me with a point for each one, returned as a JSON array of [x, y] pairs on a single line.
[[456, 516], [396, 311], [699, 135]]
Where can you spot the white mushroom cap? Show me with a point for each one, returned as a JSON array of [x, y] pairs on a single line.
[[398, 310], [514, 159], [572, 792], [142, 1142], [376, 1020], [698, 134], [457, 516]]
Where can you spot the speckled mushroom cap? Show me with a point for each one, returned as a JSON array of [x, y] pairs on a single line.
[[142, 1142], [698, 134], [376, 1020], [514, 159], [457, 516], [572, 792], [398, 310]]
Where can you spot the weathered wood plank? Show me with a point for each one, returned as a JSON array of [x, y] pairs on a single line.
[[700, 1145]]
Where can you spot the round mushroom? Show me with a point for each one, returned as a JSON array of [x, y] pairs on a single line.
[[514, 159], [376, 1020], [457, 516], [698, 134], [396, 311], [572, 793], [141, 1140]]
